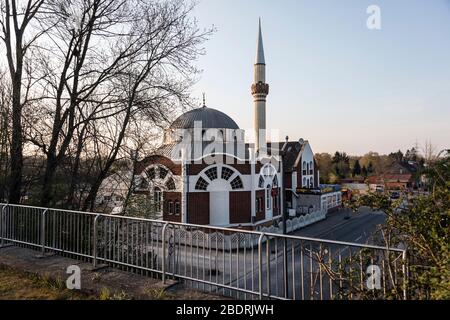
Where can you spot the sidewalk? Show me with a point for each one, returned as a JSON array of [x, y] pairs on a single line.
[[94, 282]]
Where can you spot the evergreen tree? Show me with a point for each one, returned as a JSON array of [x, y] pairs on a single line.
[[397, 156], [364, 172], [370, 168], [356, 169]]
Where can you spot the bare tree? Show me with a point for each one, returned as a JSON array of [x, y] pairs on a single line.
[[102, 65], [5, 137], [15, 20], [429, 152]]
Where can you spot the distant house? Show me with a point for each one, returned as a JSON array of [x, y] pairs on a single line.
[[391, 181], [356, 185], [403, 168], [113, 190], [301, 174], [400, 171]]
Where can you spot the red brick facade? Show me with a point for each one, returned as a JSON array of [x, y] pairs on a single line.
[[260, 205], [316, 175], [175, 168], [240, 207], [198, 207], [172, 206], [288, 180], [242, 168], [276, 201]]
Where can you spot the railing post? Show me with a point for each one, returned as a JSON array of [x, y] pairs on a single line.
[[268, 267], [44, 213], [2, 225], [405, 274], [260, 266], [163, 265], [94, 240], [285, 268]]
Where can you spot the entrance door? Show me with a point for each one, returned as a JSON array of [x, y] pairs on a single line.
[[219, 208], [219, 203]]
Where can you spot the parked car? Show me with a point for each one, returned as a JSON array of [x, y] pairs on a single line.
[[395, 195]]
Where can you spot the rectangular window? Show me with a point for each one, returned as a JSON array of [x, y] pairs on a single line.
[[170, 207], [177, 208]]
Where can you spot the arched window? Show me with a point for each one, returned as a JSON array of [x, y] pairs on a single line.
[[269, 171], [311, 168], [237, 183], [163, 173], [304, 182], [261, 182], [226, 173], [201, 184], [151, 173], [275, 182], [211, 173], [170, 184], [157, 175], [307, 168]]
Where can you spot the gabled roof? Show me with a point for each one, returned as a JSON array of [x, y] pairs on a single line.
[[383, 178], [293, 151]]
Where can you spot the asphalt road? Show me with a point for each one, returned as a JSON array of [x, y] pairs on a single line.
[[303, 272], [358, 227], [240, 268]]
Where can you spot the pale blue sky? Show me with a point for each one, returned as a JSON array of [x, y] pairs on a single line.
[[333, 81]]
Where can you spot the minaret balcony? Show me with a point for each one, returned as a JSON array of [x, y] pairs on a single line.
[[260, 88]]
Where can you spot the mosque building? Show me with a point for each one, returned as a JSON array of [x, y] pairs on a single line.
[[206, 173]]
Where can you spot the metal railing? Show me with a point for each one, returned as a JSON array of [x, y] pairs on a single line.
[[237, 263]]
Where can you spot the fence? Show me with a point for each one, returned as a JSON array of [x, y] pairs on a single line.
[[236, 263]]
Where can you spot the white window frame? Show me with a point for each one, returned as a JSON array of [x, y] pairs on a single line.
[[268, 197]]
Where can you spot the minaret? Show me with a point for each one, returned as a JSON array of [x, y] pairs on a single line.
[[260, 90]]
